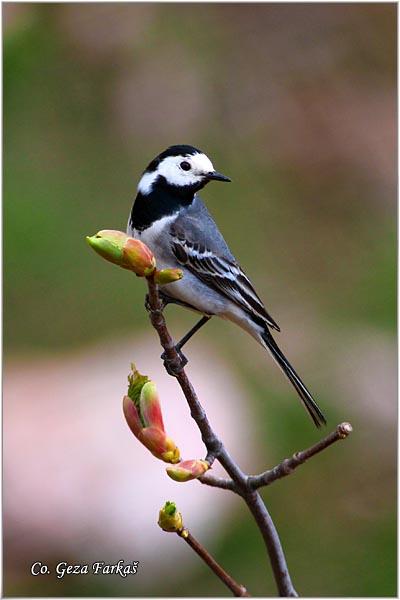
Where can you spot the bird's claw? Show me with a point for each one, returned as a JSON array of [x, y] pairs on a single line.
[[174, 366], [147, 303], [149, 308]]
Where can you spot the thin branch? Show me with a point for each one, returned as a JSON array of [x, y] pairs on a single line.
[[237, 589], [288, 465], [216, 449], [218, 482], [155, 308], [240, 483], [272, 542]]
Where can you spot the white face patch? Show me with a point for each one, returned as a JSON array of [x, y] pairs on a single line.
[[170, 168], [146, 182]]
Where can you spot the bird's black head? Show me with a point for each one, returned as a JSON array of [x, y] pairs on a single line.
[[183, 168]]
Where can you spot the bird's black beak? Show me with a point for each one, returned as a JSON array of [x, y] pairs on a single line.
[[217, 176]]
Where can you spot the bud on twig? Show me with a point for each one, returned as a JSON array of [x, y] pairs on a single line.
[[142, 412], [188, 470], [124, 251], [167, 276], [170, 519]]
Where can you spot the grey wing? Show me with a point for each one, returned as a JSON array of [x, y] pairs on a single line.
[[198, 244]]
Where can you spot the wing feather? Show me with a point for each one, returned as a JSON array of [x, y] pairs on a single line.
[[222, 273]]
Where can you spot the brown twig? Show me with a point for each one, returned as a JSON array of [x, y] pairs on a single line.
[[215, 448], [236, 588], [218, 482], [240, 483], [288, 465]]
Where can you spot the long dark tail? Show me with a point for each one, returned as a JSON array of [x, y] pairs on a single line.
[[308, 401]]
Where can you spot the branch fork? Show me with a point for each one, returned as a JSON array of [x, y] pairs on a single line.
[[146, 422], [244, 485]]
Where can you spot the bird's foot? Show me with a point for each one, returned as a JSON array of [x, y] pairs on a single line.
[[147, 303], [174, 366], [148, 306]]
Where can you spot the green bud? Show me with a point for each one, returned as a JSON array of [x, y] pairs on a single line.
[[167, 276], [136, 381], [109, 244], [169, 518], [124, 251]]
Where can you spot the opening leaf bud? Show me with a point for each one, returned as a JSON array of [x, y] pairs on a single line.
[[188, 470], [169, 518]]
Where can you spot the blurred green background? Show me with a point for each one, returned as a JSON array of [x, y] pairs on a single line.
[[297, 103]]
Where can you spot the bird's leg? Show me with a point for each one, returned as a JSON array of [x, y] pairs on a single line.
[[181, 343], [191, 333]]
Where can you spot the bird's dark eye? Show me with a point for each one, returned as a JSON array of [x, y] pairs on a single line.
[[185, 165]]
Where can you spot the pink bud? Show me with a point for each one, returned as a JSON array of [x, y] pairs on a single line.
[[160, 445], [154, 440], [132, 416], [150, 408], [187, 470], [124, 251], [139, 257], [143, 414]]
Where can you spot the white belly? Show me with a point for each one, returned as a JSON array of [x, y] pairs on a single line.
[[190, 289]]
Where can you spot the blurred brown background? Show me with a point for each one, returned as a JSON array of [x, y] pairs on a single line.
[[297, 103]]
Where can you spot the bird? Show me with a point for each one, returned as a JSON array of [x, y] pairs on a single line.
[[169, 216]]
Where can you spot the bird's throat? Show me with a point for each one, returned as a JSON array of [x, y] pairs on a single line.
[[159, 203]]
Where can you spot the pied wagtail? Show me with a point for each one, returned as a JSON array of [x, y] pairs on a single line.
[[170, 218]]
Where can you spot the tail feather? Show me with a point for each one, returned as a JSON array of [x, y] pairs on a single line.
[[308, 401]]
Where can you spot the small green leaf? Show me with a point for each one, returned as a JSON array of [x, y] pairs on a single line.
[[136, 382], [170, 508]]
